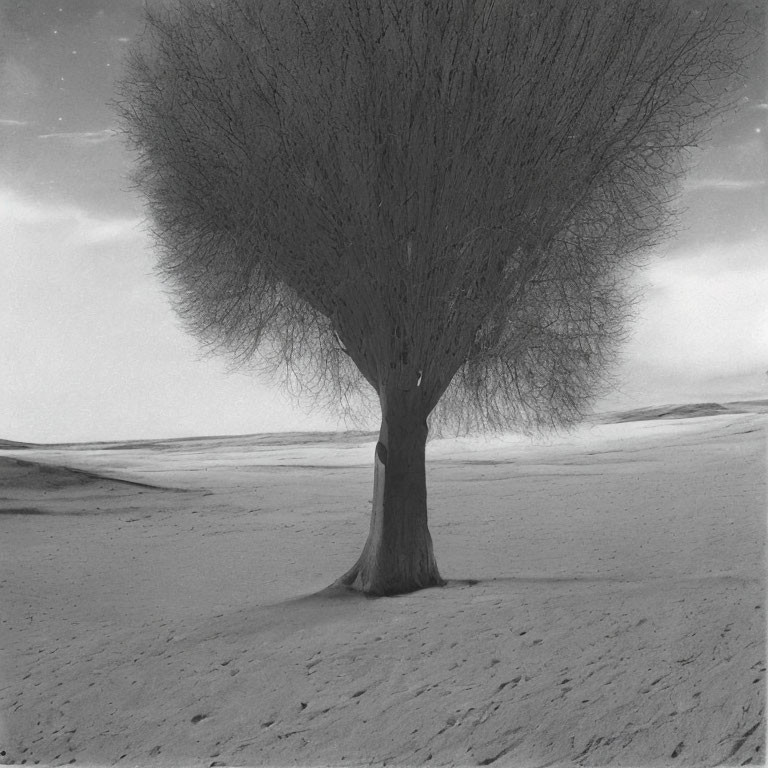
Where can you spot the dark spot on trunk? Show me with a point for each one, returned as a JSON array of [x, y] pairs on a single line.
[[381, 453]]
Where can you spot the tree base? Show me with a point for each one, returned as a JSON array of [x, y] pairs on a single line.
[[377, 583]]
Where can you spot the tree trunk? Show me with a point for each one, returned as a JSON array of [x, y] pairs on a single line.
[[398, 555]]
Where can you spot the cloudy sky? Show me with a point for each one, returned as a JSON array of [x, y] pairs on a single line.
[[91, 350]]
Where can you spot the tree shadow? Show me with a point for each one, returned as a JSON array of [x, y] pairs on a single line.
[[332, 603], [576, 579], [339, 594]]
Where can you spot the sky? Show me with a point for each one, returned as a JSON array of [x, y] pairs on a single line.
[[91, 349]]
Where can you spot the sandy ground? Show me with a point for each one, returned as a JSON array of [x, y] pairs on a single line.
[[605, 605]]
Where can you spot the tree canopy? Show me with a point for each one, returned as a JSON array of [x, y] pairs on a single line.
[[445, 192], [441, 198]]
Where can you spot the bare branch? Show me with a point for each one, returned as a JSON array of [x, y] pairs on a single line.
[[450, 196]]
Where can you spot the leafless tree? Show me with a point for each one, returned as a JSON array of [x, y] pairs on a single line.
[[437, 201]]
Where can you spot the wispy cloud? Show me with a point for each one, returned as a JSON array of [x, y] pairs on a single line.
[[82, 137], [726, 185], [78, 223], [704, 317], [6, 121]]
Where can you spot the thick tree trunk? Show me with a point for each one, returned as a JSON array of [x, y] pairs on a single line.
[[398, 555]]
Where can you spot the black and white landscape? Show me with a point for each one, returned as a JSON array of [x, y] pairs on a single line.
[[164, 602], [272, 220]]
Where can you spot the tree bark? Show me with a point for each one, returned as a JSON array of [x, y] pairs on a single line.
[[398, 556]]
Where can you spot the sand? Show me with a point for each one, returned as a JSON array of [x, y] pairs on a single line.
[[162, 603]]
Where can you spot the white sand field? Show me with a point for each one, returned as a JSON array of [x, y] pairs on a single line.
[[605, 604]]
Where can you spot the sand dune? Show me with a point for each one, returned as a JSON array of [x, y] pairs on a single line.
[[163, 602]]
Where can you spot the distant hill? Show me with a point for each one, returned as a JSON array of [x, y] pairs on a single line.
[[353, 438], [12, 445], [350, 438], [684, 411], [753, 406]]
